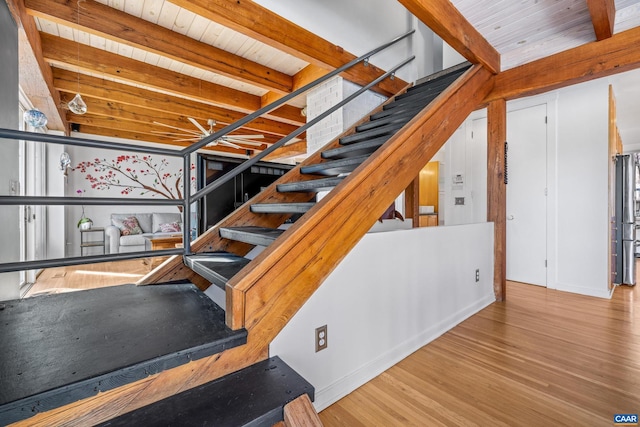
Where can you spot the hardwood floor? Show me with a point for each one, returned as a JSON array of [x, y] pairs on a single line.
[[541, 358], [88, 276]]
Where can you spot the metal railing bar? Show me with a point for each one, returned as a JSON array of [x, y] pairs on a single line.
[[186, 206], [88, 201], [84, 142], [248, 163], [64, 262], [277, 103], [185, 154]]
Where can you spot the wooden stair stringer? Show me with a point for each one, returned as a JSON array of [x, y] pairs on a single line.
[[210, 240], [273, 287]]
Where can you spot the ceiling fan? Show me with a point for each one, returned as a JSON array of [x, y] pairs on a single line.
[[190, 135]]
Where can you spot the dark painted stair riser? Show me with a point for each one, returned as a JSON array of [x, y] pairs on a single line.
[[254, 396]]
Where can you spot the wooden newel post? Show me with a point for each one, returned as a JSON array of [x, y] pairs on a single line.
[[497, 191]]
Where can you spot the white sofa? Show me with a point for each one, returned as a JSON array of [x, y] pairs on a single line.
[[149, 224]]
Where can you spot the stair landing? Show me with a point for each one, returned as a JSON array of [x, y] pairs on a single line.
[[57, 349]]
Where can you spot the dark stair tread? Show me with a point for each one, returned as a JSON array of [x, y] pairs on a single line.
[[310, 186], [401, 117], [57, 349], [253, 235], [437, 85], [280, 208], [254, 396], [216, 267], [413, 103], [355, 150], [334, 167], [458, 69], [372, 133], [386, 113]]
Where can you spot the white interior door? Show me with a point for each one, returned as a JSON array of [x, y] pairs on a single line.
[[526, 195]]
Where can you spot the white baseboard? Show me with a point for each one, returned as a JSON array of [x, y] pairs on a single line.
[[342, 387], [600, 293]]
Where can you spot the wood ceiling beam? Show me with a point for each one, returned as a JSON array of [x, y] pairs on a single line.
[[603, 16], [259, 23], [104, 21], [112, 109], [448, 23], [292, 150], [147, 128], [594, 60], [62, 52], [35, 76], [91, 129], [161, 103]]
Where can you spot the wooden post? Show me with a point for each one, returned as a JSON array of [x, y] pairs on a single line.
[[411, 195], [497, 191]]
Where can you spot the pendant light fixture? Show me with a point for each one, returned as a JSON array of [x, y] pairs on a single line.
[[35, 118], [77, 104]]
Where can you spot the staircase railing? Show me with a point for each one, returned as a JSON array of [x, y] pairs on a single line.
[[185, 154]]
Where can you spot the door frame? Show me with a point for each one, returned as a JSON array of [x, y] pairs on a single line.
[[551, 101]]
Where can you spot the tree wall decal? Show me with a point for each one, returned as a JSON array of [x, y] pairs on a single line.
[[134, 172]]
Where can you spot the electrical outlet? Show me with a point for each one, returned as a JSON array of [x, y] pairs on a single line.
[[321, 338], [477, 275]]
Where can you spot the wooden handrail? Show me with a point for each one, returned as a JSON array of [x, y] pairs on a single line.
[[271, 289]]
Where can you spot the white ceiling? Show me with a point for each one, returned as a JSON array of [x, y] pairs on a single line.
[[526, 30]]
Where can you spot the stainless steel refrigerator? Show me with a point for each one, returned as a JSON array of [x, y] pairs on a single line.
[[624, 266]]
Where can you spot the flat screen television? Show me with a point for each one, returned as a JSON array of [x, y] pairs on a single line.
[[231, 195]]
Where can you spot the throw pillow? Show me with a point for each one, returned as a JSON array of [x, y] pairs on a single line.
[[171, 227], [128, 226]]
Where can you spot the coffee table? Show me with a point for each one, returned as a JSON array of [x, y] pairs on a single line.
[[165, 242]]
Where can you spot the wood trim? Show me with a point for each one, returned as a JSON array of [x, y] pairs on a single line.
[[448, 23], [112, 24], [285, 275], [412, 202], [260, 23], [603, 16], [591, 61], [301, 413], [497, 192]]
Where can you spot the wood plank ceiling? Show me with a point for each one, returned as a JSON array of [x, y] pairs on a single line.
[[138, 62]]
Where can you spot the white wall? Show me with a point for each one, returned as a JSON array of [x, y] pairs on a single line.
[[362, 25], [581, 193], [55, 219], [100, 215], [577, 181], [9, 118], [392, 294], [465, 155]]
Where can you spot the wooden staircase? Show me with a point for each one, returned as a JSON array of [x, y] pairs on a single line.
[[334, 165], [364, 171]]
